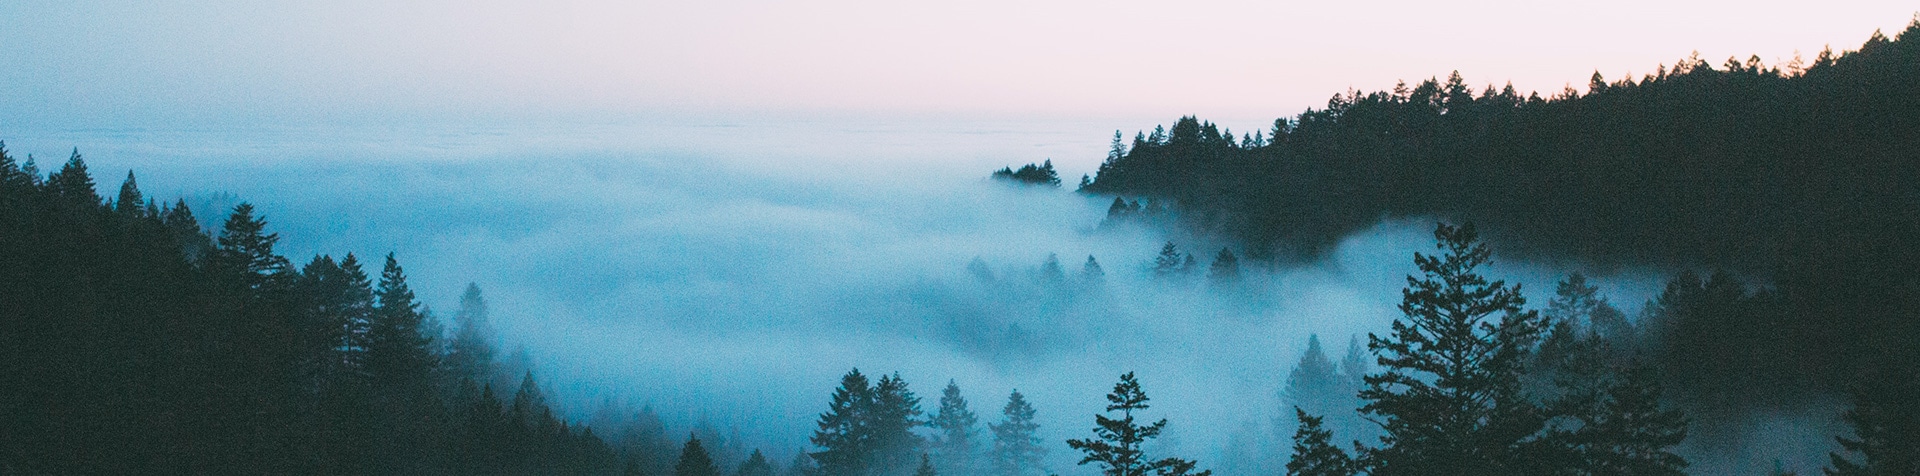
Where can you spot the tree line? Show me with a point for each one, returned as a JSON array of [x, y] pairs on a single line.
[[1790, 185], [138, 342]]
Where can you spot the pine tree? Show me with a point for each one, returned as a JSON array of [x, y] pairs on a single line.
[[891, 419], [1313, 451], [694, 460], [1117, 442], [72, 183], [1016, 444], [842, 437], [470, 355], [398, 354], [1091, 272], [1169, 262], [1315, 383], [245, 251], [128, 202], [954, 429], [1449, 394], [1051, 271], [1886, 425], [1225, 268], [756, 465]]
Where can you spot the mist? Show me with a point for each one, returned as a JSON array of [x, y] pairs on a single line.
[[732, 286]]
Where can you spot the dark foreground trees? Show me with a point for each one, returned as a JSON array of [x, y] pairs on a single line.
[[1452, 397], [137, 344], [1117, 442]]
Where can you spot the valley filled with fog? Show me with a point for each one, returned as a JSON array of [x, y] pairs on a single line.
[[727, 275]]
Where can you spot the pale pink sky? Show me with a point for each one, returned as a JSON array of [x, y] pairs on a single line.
[[86, 63]]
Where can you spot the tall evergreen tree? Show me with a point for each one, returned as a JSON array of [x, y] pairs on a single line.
[[1449, 395], [1225, 267], [1314, 383], [694, 460], [755, 465], [891, 419], [1314, 453], [72, 183], [1091, 272], [1016, 443], [398, 354], [1885, 419], [129, 201], [955, 427], [470, 354], [1117, 443], [1051, 271], [842, 436], [1169, 262]]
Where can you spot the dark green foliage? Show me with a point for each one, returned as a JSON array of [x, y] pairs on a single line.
[[1449, 396], [153, 348], [1050, 271], [470, 353], [1886, 425], [694, 460], [755, 465], [1117, 443], [1170, 261], [1225, 268], [1091, 272], [1797, 177], [955, 431], [1313, 451], [1016, 444], [868, 429], [1030, 174]]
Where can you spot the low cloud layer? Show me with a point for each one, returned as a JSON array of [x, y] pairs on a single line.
[[738, 284]]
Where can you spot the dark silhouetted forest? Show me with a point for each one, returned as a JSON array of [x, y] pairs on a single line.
[[138, 343], [1791, 192]]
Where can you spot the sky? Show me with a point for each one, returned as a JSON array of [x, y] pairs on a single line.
[[84, 64]]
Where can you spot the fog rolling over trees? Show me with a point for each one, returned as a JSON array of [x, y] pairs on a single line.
[[1317, 298]]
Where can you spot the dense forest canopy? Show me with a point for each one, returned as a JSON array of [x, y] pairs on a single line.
[[1800, 182]]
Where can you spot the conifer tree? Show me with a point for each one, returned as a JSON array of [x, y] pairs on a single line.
[[399, 356], [842, 436], [954, 433], [72, 183], [1016, 444], [1225, 268], [1117, 443], [1051, 271], [470, 355], [128, 202], [891, 419], [755, 465], [694, 460], [1449, 395], [245, 251], [1091, 272], [1885, 419], [1314, 453], [1315, 383], [1169, 262]]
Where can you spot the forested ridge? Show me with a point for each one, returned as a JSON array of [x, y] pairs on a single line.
[[138, 343], [1784, 199]]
